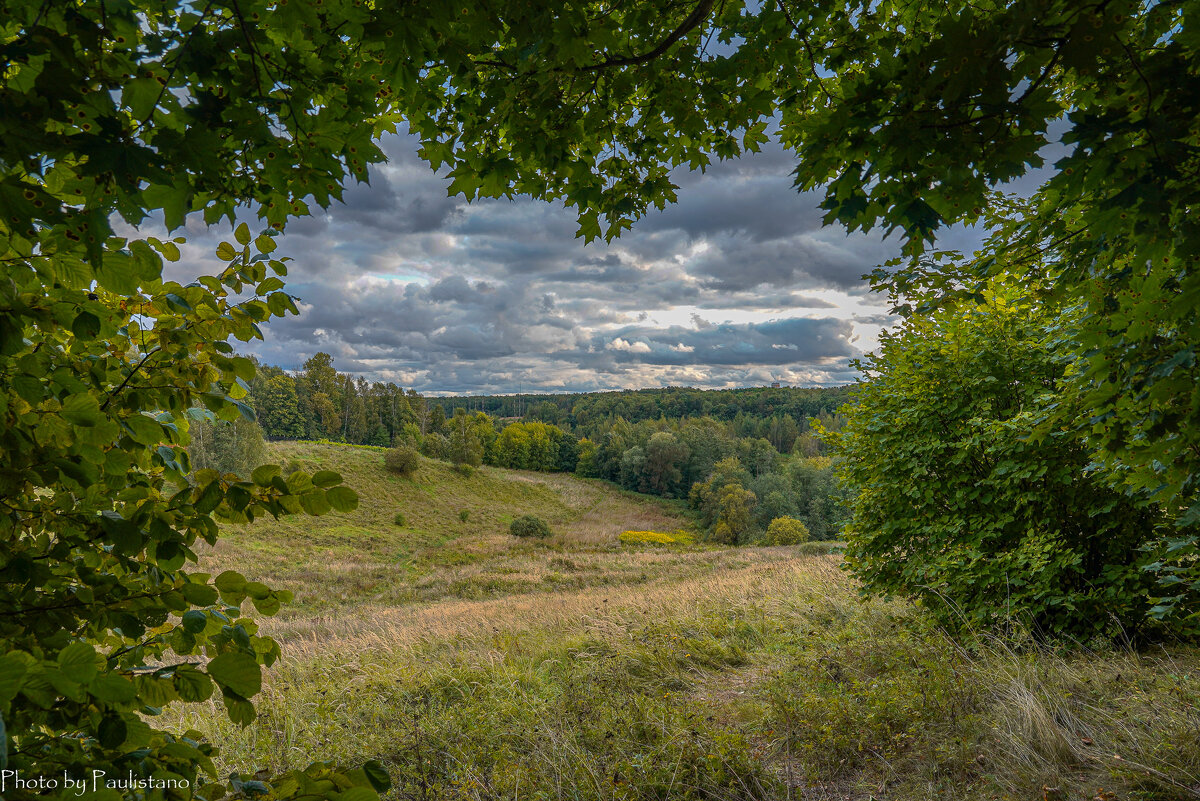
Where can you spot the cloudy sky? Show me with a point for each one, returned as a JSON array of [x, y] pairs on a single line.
[[738, 284]]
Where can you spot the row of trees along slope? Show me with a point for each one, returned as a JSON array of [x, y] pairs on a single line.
[[319, 402], [905, 116]]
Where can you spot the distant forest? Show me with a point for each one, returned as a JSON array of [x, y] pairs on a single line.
[[742, 457]]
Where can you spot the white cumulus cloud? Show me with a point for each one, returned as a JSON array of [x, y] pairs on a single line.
[[629, 347]]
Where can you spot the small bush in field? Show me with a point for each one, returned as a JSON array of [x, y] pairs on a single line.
[[529, 526], [398, 519], [402, 460], [464, 515], [786, 531], [465, 470]]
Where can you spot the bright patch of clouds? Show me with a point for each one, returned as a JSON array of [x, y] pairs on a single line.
[[628, 347]]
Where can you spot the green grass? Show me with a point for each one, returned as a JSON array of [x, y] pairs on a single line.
[[479, 666]]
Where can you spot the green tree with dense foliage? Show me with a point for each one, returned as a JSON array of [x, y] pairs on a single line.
[[226, 446], [466, 446], [665, 458], [726, 507], [735, 515], [277, 407], [587, 464], [960, 499]]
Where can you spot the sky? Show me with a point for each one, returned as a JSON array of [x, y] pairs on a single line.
[[737, 284]]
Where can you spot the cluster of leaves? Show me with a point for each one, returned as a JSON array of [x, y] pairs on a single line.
[[964, 502], [921, 111], [100, 509]]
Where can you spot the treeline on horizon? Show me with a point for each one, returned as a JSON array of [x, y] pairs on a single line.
[[742, 457]]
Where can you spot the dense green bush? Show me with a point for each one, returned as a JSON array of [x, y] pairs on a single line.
[[435, 445], [529, 526], [786, 531], [399, 519], [959, 501], [402, 460], [464, 515]]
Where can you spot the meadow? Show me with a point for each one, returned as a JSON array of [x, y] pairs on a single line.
[[476, 665]]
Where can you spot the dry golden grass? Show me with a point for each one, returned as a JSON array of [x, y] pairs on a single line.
[[766, 577]]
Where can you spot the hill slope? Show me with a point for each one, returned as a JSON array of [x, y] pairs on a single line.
[[362, 560]]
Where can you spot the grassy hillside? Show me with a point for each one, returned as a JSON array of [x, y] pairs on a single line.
[[477, 666], [363, 561]]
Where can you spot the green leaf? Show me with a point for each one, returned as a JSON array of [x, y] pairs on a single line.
[[256, 589], [315, 502], [358, 793], [237, 671], [209, 498], [194, 621], [263, 474], [117, 273], [267, 606], [78, 662], [242, 234], [144, 429], [377, 775], [112, 731], [112, 688], [12, 673], [343, 499], [82, 409], [239, 709], [192, 684], [199, 594], [85, 325], [140, 95], [225, 252], [326, 478]]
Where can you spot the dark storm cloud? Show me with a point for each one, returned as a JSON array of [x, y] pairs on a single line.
[[403, 283]]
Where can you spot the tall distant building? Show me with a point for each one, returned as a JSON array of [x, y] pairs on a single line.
[[774, 385]]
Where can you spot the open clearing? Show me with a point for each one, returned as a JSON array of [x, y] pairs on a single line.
[[479, 666]]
